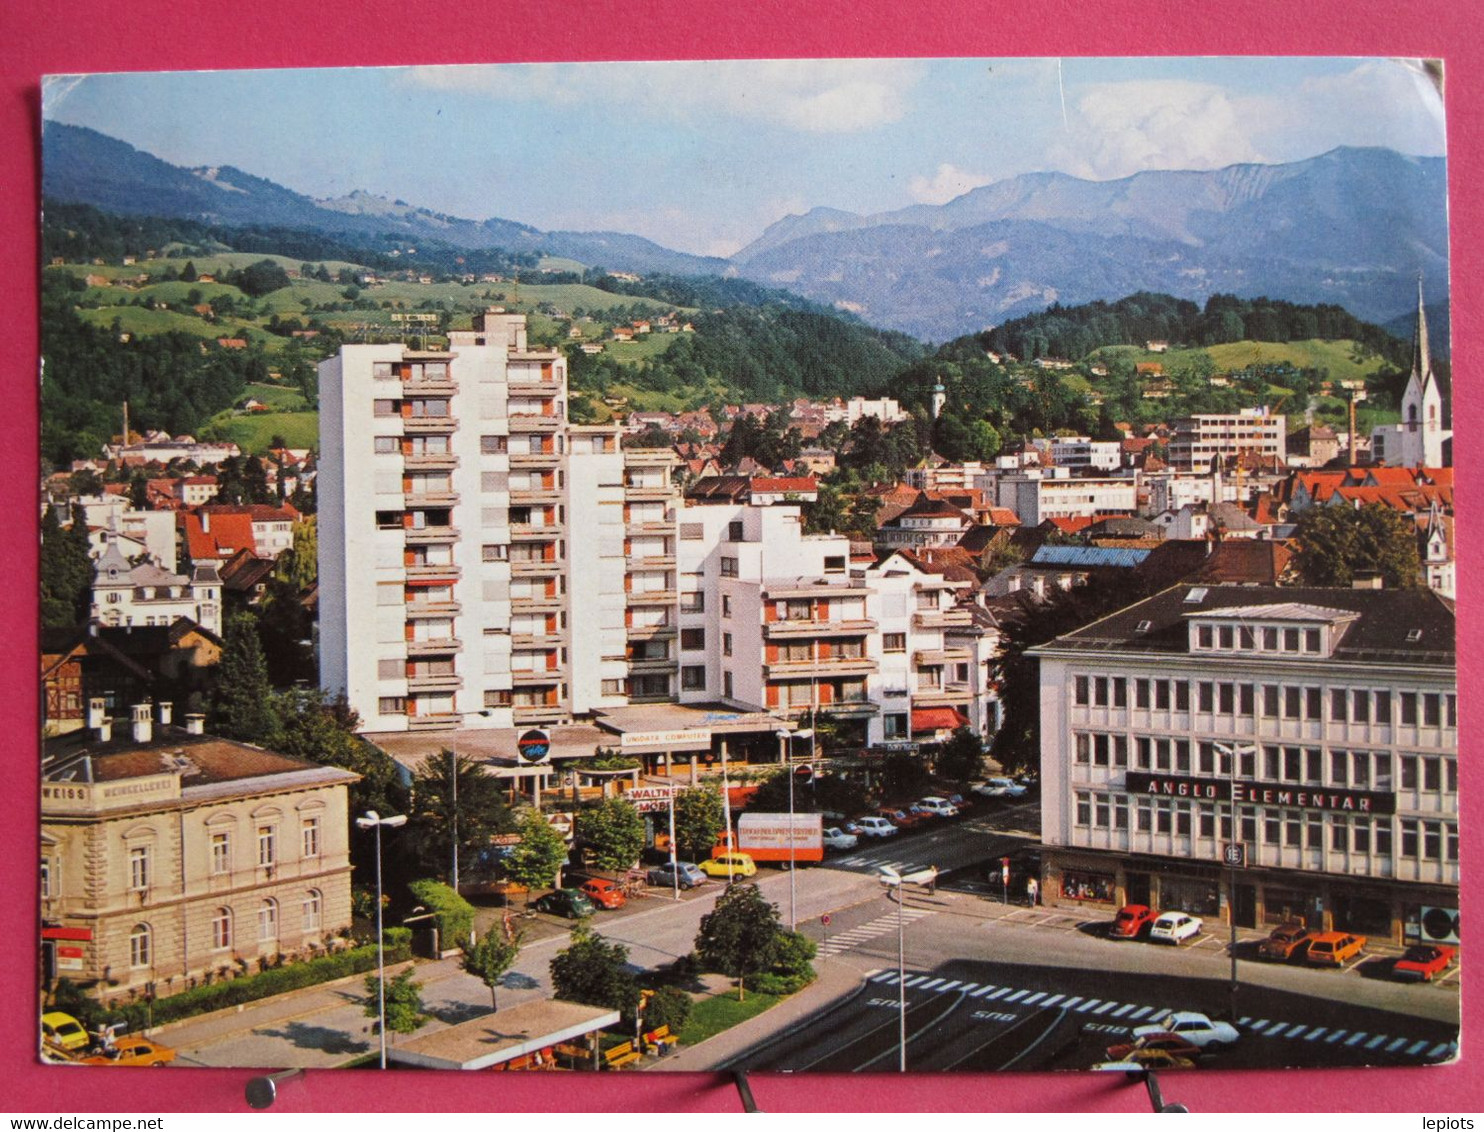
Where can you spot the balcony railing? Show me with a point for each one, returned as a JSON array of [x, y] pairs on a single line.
[[822, 667], [442, 646], [423, 536], [812, 628], [433, 572]]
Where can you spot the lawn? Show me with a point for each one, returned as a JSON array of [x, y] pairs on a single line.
[[1344, 359], [253, 432], [710, 1016]]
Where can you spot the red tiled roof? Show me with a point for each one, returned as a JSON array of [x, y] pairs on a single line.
[[230, 532], [937, 719], [784, 483]]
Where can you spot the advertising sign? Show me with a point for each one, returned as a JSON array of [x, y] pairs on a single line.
[[1261, 793], [650, 799], [770, 832], [533, 746]]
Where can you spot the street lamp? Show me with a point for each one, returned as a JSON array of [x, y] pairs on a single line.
[[893, 879], [1233, 851], [788, 769], [375, 821]]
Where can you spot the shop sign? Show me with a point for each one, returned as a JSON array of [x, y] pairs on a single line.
[[1320, 798], [686, 739]]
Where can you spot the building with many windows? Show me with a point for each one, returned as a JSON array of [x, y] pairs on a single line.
[[1324, 722], [169, 855], [1253, 434]]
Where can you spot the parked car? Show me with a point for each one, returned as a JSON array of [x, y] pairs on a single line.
[[686, 873], [1172, 1044], [941, 807], [1195, 1028], [729, 864], [1423, 963], [1000, 788], [1174, 927], [876, 826], [131, 1051], [603, 892], [568, 902], [1334, 949], [1284, 942], [1140, 1060], [959, 802], [837, 838], [64, 1031], [1131, 921], [901, 817]]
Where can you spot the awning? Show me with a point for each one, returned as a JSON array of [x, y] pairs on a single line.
[[938, 719]]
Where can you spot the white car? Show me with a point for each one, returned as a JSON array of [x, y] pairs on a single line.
[[1174, 927], [839, 839], [1000, 788], [1195, 1028], [939, 807], [877, 827]]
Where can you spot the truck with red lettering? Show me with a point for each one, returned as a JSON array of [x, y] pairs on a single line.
[[765, 838]]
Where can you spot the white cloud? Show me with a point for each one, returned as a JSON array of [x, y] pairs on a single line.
[[948, 182], [808, 95], [1382, 102], [1115, 129]]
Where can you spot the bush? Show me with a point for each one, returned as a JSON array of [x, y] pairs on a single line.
[[782, 984], [455, 914], [668, 1006]]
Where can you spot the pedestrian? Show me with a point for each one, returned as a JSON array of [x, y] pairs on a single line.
[[1032, 892]]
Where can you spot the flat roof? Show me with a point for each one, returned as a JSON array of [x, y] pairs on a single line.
[[500, 1037]]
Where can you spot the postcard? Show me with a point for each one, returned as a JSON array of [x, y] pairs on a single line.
[[801, 565]]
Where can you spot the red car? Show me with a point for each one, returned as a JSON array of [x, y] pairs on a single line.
[[1172, 1044], [903, 819], [1423, 963], [1131, 921], [603, 893]]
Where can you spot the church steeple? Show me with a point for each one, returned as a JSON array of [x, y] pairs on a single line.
[[1421, 356]]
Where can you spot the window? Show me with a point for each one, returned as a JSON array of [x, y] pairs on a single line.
[[728, 567], [392, 705], [313, 908], [47, 892], [1182, 695], [1079, 685], [492, 445], [693, 677], [1409, 709], [1313, 703], [1432, 709], [692, 638], [221, 853], [309, 838], [897, 642], [389, 669], [387, 444], [139, 868], [693, 602], [1204, 636], [726, 644], [382, 371], [1100, 691], [615, 687], [221, 929], [726, 605], [268, 920], [1120, 692], [734, 531], [1206, 696], [1293, 702], [383, 407], [1270, 700], [1226, 637], [388, 520], [726, 685], [834, 564], [493, 552], [267, 845], [140, 946], [1162, 695], [894, 725], [1141, 693]]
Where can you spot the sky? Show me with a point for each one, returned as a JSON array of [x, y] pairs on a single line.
[[703, 156]]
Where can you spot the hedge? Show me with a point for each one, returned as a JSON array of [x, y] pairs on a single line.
[[206, 997], [455, 914]]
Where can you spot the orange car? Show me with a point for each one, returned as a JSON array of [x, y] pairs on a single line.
[[1334, 949], [132, 1051], [1287, 938], [604, 893]]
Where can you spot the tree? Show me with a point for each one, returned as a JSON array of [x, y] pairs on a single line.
[[1335, 543], [737, 937], [613, 831], [699, 817], [668, 1006], [481, 812], [962, 757], [66, 571], [541, 852], [404, 1002], [244, 708], [591, 971], [490, 958]]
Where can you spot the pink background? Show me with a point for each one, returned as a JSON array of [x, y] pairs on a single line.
[[61, 36]]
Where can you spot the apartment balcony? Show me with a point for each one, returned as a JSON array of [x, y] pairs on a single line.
[[847, 709], [430, 462], [648, 493], [535, 568], [433, 573], [533, 677], [426, 386], [552, 603], [537, 640], [535, 497], [530, 384], [652, 597], [430, 536], [433, 608], [535, 422], [648, 458], [442, 646], [429, 426], [662, 527], [942, 619], [639, 667], [538, 532], [942, 695], [793, 630], [538, 713], [823, 668], [439, 721], [535, 459], [651, 632], [653, 562], [942, 656], [440, 498], [450, 683]]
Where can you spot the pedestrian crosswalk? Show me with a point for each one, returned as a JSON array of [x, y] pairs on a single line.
[[870, 930], [1135, 1014]]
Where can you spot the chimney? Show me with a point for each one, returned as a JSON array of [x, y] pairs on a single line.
[[97, 712], [167, 710], [1367, 580], [142, 718], [195, 723], [205, 521], [104, 730]]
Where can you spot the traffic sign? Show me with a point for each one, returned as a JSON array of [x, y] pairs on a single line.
[[1234, 853], [825, 919], [1004, 870]]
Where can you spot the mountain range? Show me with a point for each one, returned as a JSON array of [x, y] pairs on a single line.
[[1351, 227]]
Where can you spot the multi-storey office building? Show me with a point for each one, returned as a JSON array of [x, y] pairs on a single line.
[[1326, 718], [1224, 436]]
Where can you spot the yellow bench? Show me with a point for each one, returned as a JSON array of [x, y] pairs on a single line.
[[621, 1055], [660, 1040]]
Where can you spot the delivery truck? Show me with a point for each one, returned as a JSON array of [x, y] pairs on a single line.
[[765, 838]]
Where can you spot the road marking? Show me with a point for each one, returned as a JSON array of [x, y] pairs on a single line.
[[1017, 995], [914, 980], [872, 973], [931, 984], [1394, 1045], [1359, 1036], [948, 986], [1034, 998], [1317, 1031], [967, 987], [985, 989], [1294, 1030], [1053, 1000], [1244, 1019], [1374, 1042], [1437, 1050], [1412, 1049], [1139, 1013], [1122, 1010], [1071, 1002], [1258, 1025], [1336, 1036], [1273, 1029], [1107, 1006], [1001, 993]]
